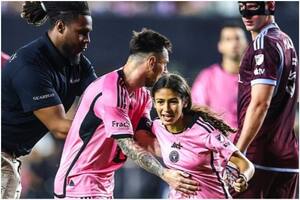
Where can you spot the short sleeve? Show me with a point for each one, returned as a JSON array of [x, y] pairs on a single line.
[[34, 87], [219, 143], [266, 61], [113, 108], [117, 122]]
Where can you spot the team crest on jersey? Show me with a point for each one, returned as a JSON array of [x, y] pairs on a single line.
[[174, 156], [259, 59]]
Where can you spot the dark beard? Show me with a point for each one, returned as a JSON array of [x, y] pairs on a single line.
[[73, 59]]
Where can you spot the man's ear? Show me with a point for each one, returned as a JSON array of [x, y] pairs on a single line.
[[152, 61], [60, 26]]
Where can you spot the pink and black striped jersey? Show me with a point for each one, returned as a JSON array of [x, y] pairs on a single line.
[[272, 59], [91, 155], [200, 151]]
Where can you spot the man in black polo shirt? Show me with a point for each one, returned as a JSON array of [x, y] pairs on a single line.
[[41, 81]]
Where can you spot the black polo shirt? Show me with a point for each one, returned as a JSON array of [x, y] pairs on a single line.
[[37, 76]]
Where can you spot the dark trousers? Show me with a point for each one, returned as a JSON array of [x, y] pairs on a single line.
[[269, 184]]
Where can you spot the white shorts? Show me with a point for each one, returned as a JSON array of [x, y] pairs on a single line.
[[10, 177]]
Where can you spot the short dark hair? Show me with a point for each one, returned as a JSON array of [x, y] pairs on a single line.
[[231, 24], [147, 41], [37, 12]]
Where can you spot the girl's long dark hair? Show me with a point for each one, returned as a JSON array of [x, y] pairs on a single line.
[[178, 84]]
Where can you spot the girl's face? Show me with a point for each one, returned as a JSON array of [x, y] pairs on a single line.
[[169, 108]]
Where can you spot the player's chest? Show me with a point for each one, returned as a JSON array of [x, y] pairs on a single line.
[[246, 67], [186, 152], [66, 79]]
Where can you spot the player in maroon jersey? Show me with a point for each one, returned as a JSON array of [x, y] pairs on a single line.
[[267, 104]]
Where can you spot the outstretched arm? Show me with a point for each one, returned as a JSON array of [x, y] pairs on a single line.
[[176, 179]]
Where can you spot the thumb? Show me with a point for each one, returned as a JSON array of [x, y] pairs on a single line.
[[239, 180], [184, 174]]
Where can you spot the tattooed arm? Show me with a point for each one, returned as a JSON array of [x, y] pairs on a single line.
[[147, 141], [176, 179]]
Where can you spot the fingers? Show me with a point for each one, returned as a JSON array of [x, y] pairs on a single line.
[[186, 190], [189, 182], [181, 181], [184, 174], [240, 185], [188, 186]]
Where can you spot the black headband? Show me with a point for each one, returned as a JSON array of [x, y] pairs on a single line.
[[260, 11]]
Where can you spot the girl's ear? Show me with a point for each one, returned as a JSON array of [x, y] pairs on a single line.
[[185, 103]]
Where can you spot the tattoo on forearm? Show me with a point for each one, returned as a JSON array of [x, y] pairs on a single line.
[[143, 158]]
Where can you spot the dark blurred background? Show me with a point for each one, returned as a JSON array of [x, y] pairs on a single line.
[[192, 26]]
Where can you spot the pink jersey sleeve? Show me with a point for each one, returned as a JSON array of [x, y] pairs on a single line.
[[113, 108], [219, 143], [116, 122]]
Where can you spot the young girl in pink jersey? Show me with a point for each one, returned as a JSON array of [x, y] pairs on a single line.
[[193, 140]]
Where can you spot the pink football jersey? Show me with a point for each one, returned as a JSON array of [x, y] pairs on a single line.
[[90, 156], [200, 151], [218, 90]]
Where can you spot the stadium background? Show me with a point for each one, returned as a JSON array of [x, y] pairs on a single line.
[[193, 27]]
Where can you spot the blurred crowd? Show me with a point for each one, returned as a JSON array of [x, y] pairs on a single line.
[[145, 8], [156, 8]]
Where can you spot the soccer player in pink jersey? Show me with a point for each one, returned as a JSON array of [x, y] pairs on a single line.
[[112, 109], [193, 140], [267, 99], [211, 84]]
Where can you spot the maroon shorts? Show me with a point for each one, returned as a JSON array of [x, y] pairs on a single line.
[[270, 184]]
